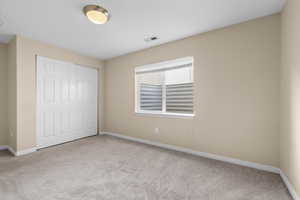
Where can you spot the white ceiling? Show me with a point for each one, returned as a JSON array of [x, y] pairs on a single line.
[[62, 23]]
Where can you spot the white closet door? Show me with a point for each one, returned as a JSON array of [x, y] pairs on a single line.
[[67, 96]]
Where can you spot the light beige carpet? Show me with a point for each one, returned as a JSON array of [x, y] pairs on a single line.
[[106, 168]]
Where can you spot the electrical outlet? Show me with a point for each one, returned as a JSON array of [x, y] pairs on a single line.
[[156, 130]]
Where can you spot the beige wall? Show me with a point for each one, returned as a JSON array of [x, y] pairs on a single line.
[[236, 73], [12, 94], [26, 93], [290, 129], [3, 94]]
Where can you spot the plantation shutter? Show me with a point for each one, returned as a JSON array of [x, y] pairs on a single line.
[[165, 88], [151, 97], [179, 98]]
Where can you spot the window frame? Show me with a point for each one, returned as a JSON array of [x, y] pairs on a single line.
[[157, 66]]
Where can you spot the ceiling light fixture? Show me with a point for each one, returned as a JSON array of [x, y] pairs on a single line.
[[96, 14]]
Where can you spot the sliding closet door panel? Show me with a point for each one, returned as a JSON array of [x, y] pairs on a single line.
[[67, 99]]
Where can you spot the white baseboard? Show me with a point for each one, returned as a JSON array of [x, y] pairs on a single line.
[[201, 154], [258, 166], [101, 133], [289, 186], [18, 153], [11, 150]]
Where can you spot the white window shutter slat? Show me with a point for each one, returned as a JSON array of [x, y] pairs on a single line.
[[179, 98], [150, 97]]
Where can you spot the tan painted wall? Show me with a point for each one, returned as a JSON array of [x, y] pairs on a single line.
[[26, 93], [3, 94], [236, 73], [290, 129], [12, 93]]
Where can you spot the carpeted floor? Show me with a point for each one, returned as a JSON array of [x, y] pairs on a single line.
[[107, 168]]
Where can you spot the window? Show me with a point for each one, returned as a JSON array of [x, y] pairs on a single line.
[[165, 88]]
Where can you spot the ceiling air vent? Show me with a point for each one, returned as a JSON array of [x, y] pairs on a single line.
[[150, 39]]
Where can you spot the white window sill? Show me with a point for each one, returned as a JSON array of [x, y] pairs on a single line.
[[165, 115]]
